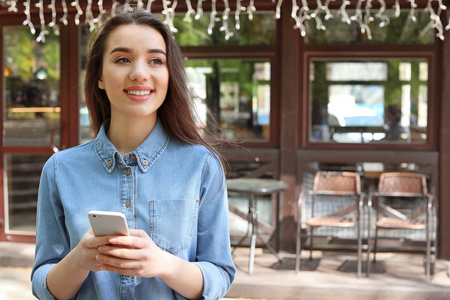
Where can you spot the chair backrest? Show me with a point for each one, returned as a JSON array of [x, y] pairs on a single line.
[[344, 183], [402, 184]]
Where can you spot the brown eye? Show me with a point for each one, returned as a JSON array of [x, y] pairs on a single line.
[[156, 61], [122, 60]]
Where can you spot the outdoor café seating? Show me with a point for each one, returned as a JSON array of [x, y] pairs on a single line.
[[402, 202], [336, 201]]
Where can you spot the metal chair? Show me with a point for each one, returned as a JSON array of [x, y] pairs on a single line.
[[394, 210], [336, 187]]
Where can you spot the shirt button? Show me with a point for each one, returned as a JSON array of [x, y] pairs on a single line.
[[109, 164], [145, 162], [127, 203], [132, 157], [127, 171]]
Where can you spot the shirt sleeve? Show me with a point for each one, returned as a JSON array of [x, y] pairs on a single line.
[[214, 249], [51, 238]]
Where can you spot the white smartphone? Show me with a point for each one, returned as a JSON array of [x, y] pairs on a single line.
[[108, 223]]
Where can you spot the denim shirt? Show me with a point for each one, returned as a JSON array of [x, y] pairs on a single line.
[[174, 191]]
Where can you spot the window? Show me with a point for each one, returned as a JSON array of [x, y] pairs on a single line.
[[368, 100], [236, 93], [230, 79], [31, 91]]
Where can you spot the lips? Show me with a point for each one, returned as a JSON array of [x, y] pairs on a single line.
[[139, 93]]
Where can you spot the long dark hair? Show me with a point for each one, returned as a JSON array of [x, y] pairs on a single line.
[[175, 113]]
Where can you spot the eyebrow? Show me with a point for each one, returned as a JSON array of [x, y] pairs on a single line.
[[129, 50]]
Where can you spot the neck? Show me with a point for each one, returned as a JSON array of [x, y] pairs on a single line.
[[127, 135]]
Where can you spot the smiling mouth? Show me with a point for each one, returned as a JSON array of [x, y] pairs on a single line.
[[139, 93]]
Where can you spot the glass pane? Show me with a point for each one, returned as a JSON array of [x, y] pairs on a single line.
[[31, 96], [22, 173], [387, 105], [85, 131], [400, 30], [423, 71], [355, 71], [405, 71], [258, 31], [236, 93]]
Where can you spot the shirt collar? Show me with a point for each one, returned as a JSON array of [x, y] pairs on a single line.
[[146, 154]]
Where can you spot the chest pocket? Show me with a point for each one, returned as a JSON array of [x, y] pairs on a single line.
[[173, 223]]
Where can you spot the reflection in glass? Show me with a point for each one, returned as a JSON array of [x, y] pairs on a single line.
[[423, 71], [356, 71], [388, 104], [405, 71], [31, 95], [236, 93], [21, 184]]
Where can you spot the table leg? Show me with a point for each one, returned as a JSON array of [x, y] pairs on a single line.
[[252, 216], [271, 249], [251, 261], [248, 230], [255, 230], [253, 223]]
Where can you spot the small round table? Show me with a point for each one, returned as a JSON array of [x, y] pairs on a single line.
[[252, 187]]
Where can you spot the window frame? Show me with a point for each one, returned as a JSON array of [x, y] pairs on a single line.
[[359, 53]]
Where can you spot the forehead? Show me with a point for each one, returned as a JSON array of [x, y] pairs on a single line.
[[135, 36]]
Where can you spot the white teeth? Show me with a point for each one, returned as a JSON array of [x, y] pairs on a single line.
[[139, 93]]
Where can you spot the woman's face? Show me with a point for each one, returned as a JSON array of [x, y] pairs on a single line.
[[135, 76]]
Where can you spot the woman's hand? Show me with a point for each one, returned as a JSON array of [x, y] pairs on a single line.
[[66, 277], [133, 255], [87, 251], [137, 255]]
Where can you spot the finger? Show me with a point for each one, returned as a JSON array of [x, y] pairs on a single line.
[[129, 241], [139, 233], [118, 263], [120, 252], [94, 242]]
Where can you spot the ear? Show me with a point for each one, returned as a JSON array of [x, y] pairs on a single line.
[[101, 85]]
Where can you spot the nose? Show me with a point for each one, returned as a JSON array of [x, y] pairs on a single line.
[[139, 71]]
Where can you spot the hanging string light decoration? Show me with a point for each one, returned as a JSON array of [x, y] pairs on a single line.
[[53, 24], [237, 14], [190, 11], [28, 22], [224, 28], [65, 13], [12, 5], [76, 4], [43, 32], [363, 13]]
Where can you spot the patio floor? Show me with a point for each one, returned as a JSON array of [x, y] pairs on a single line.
[[329, 275], [332, 275]]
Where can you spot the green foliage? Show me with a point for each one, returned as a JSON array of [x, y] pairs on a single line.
[[259, 31], [24, 56], [400, 30]]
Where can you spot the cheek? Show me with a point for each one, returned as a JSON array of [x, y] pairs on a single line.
[[110, 79], [165, 78]]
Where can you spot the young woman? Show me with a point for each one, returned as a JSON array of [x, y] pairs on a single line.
[[148, 161]]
